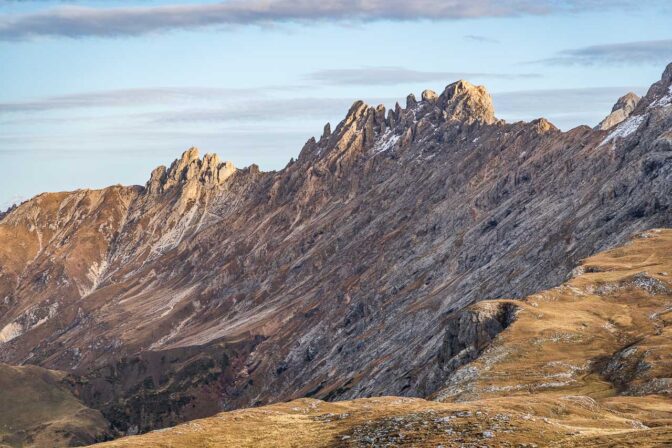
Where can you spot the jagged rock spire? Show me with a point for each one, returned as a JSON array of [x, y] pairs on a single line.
[[667, 74], [210, 171], [364, 126], [429, 95], [659, 94]]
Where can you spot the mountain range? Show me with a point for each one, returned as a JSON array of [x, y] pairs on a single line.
[[357, 271]]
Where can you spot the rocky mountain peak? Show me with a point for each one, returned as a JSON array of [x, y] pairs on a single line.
[[544, 126], [357, 109], [429, 95], [466, 102], [210, 171], [366, 128], [621, 110], [411, 101], [659, 94], [262, 287], [667, 74], [630, 100]]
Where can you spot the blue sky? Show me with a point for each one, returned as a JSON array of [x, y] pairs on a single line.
[[95, 93]]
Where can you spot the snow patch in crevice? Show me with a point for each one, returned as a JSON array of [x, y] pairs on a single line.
[[665, 101], [626, 128], [386, 142]]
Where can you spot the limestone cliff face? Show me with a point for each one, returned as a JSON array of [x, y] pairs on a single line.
[[335, 277]]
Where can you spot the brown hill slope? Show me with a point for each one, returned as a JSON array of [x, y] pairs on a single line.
[[588, 363], [337, 277], [38, 410]]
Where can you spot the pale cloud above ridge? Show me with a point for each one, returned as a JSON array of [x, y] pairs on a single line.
[[638, 52], [77, 21]]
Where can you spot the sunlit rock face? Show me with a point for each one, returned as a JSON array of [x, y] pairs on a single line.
[[621, 110], [214, 288]]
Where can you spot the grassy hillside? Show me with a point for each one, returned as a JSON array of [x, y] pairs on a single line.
[[37, 410]]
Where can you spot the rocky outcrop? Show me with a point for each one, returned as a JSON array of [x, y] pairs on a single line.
[[7, 212], [159, 389], [470, 331], [621, 110], [465, 102], [340, 273], [208, 171]]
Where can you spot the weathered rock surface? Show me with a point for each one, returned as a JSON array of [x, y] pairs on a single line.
[[471, 330], [622, 110], [335, 277]]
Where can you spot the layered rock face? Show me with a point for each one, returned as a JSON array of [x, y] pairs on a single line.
[[336, 277], [584, 364]]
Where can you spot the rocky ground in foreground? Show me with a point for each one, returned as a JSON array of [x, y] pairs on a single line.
[[586, 364]]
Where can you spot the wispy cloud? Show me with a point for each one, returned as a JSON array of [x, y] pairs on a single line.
[[648, 52], [270, 110], [481, 39], [400, 75], [128, 97], [80, 21]]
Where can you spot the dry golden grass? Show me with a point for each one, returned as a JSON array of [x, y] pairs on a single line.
[[544, 381], [37, 410]]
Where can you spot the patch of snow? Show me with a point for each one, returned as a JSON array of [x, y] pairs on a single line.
[[665, 101], [626, 128], [386, 142]]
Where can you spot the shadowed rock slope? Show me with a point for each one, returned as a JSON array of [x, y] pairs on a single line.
[[214, 288], [585, 364]]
